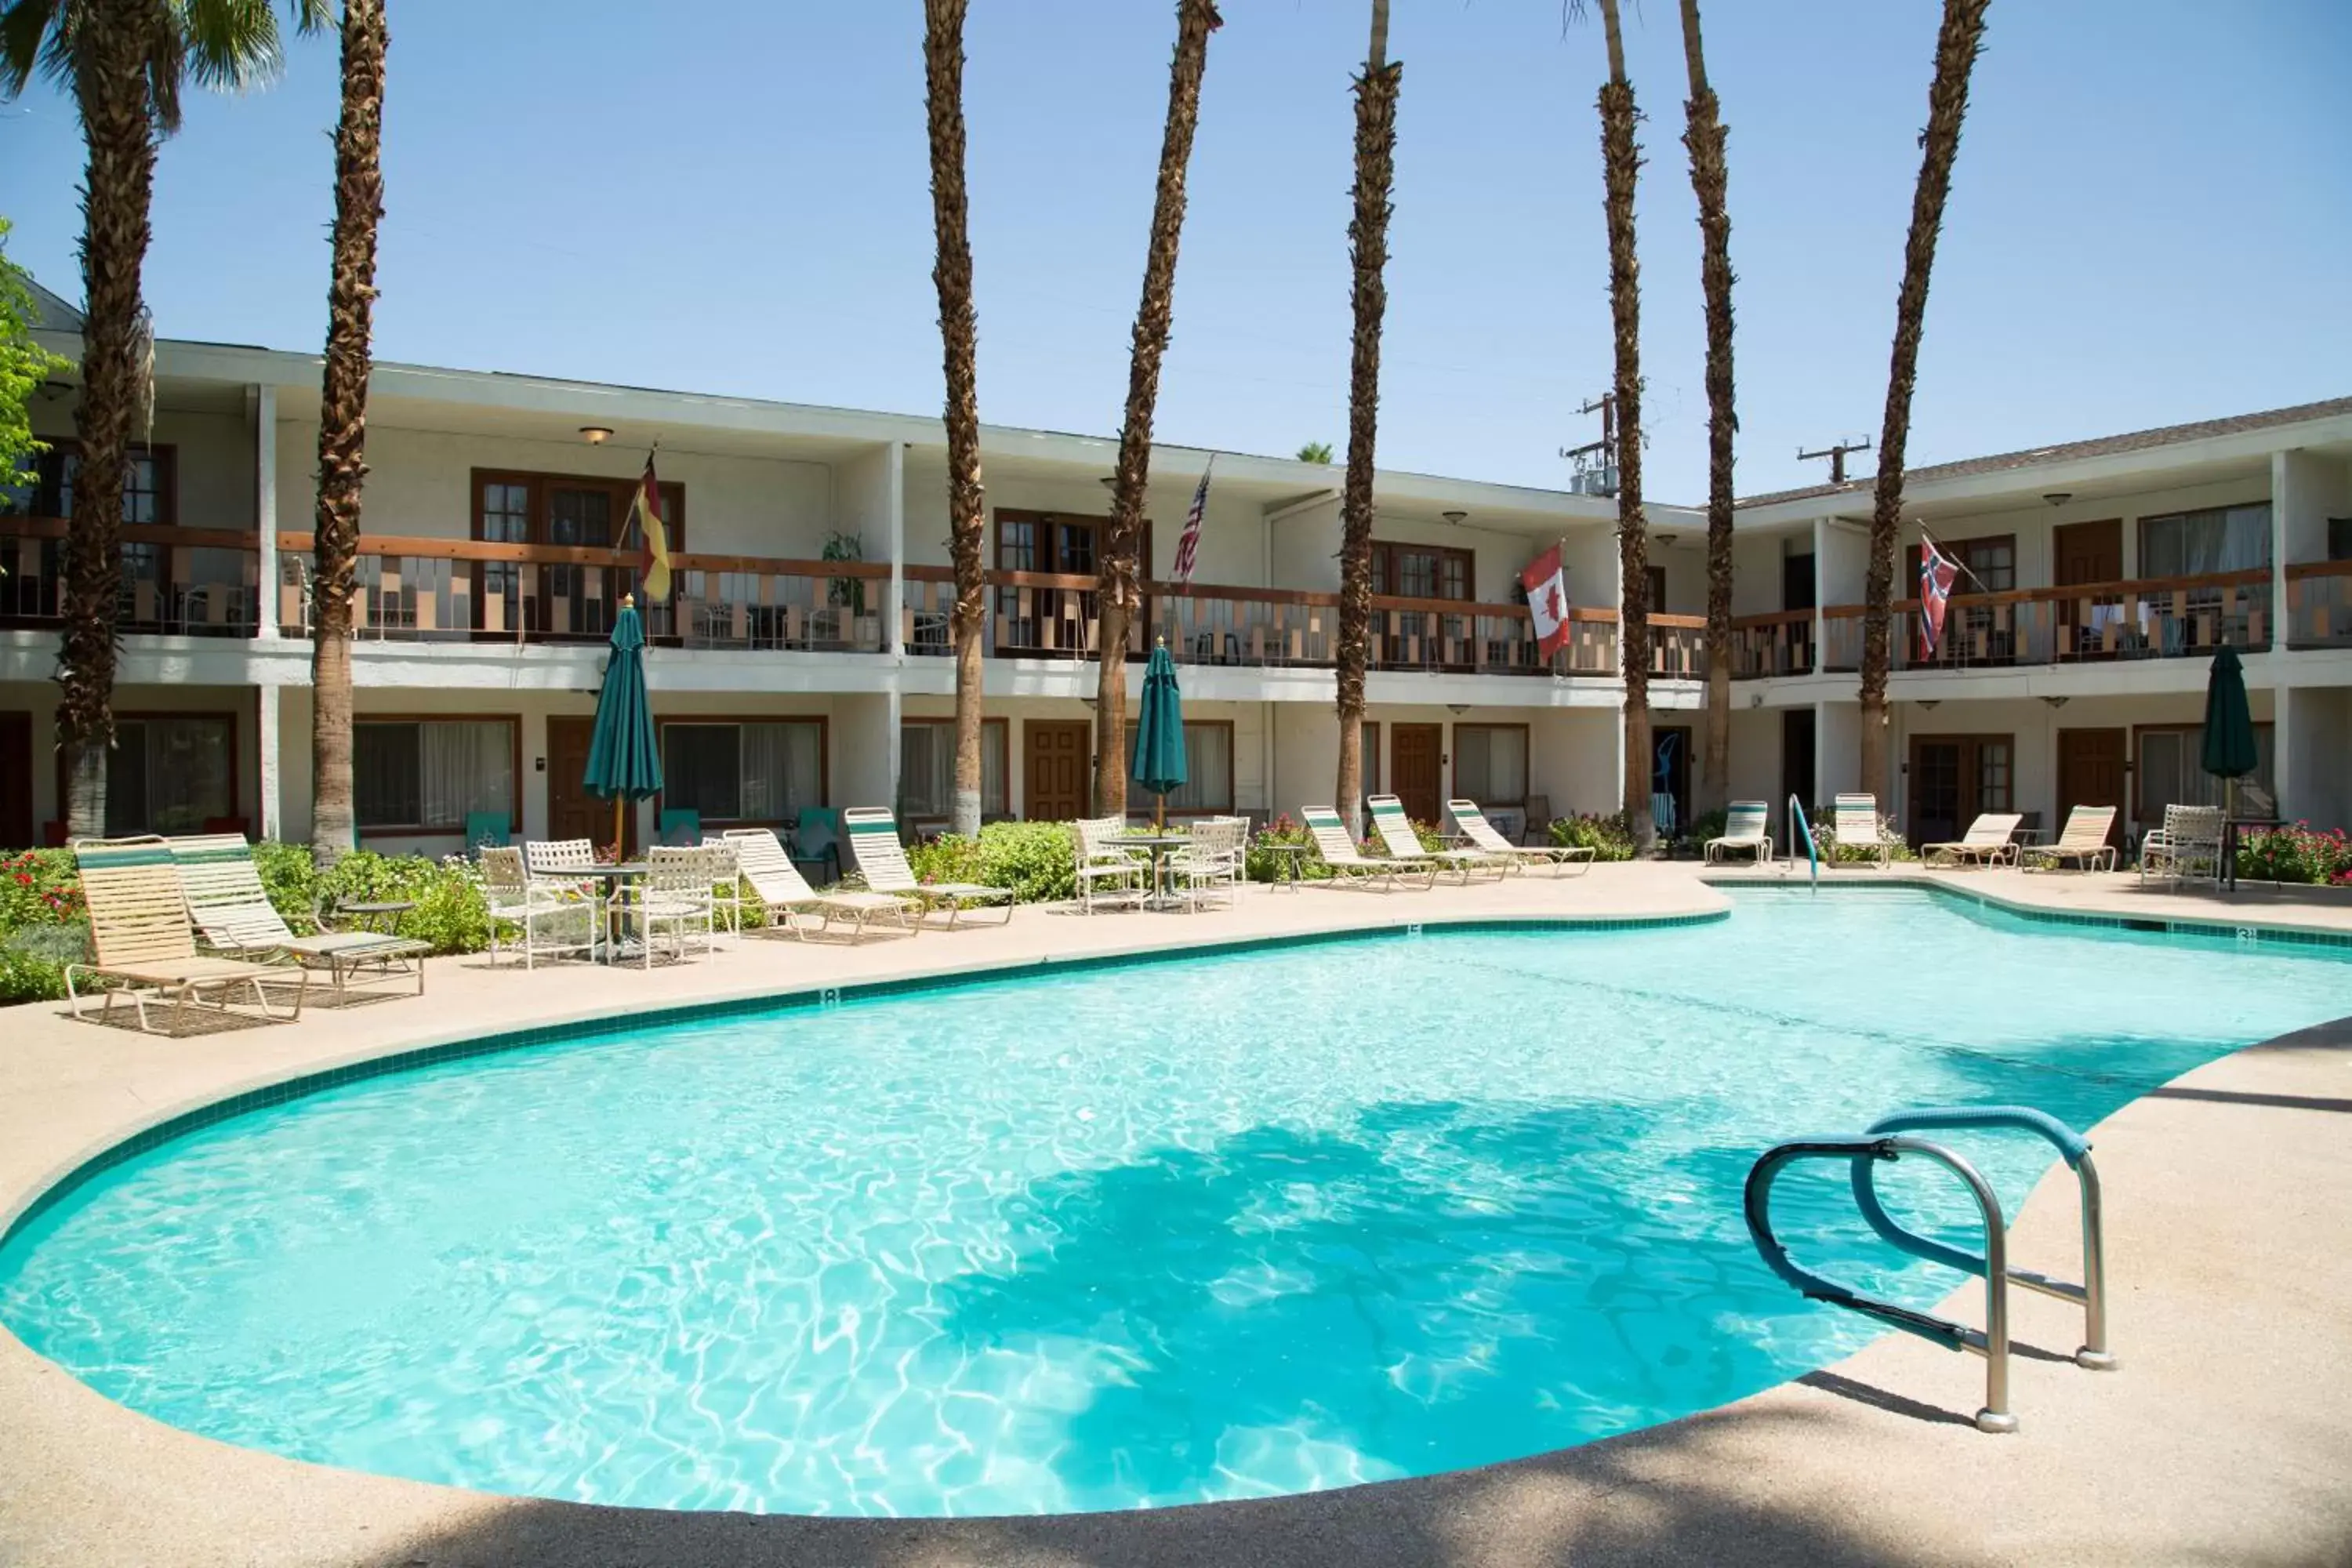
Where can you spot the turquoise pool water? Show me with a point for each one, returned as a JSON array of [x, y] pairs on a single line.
[[1224, 1227]]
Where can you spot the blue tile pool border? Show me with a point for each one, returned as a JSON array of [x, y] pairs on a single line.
[[2252, 932], [302, 1085]]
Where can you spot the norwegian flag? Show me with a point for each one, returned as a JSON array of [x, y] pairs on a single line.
[[1937, 574], [1188, 544], [1546, 582]]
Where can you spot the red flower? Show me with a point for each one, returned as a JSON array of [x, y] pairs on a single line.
[[23, 879]]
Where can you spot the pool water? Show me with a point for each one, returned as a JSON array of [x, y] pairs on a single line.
[[1227, 1226]]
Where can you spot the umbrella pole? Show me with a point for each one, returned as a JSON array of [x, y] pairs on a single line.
[[620, 849]]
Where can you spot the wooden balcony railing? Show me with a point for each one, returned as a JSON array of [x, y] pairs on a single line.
[[2319, 605], [181, 581], [2166, 618], [460, 590], [1781, 643]]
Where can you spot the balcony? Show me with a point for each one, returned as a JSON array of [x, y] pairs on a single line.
[[2170, 617], [2319, 605], [176, 581]]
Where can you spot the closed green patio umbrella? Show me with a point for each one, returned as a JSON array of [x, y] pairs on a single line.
[[2229, 750], [623, 763], [1157, 764]]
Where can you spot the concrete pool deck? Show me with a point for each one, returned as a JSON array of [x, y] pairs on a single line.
[[2226, 1439]]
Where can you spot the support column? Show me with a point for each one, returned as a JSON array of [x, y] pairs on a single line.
[[1820, 599], [268, 733], [894, 613], [264, 508], [2286, 717]]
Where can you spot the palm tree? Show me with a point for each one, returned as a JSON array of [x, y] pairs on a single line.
[[1118, 593], [1621, 163], [959, 337], [124, 62], [1957, 46], [1705, 137], [1315, 452], [1368, 242], [342, 422]]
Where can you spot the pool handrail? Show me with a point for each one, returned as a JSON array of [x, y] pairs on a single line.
[[1991, 1343], [1800, 829], [2076, 1149]]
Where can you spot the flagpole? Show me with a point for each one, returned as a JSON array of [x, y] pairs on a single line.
[[1955, 560]]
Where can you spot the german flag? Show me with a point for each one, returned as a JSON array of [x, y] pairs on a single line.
[[654, 534]]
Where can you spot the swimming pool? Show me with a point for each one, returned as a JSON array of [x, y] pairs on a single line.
[[1225, 1227]]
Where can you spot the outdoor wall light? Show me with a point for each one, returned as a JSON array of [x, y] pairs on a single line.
[[597, 435], [1453, 517], [2058, 498]]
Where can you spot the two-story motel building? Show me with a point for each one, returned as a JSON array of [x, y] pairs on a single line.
[[800, 659]]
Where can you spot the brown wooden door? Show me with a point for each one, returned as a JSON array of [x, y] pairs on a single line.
[[1057, 766], [572, 811], [2091, 773], [2084, 552], [1955, 778], [16, 780], [1414, 776]]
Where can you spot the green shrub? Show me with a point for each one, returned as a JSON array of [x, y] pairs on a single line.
[[1710, 825], [1038, 861], [1609, 837], [2296, 854], [1262, 864]]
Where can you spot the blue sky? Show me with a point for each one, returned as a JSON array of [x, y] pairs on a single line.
[[2150, 221]]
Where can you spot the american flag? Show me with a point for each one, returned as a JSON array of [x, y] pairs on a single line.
[[1188, 544], [1936, 573]]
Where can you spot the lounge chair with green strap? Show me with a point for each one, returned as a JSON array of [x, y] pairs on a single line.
[[873, 845]]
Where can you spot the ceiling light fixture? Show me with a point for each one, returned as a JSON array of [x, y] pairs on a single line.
[[597, 435], [1455, 518], [2058, 498]]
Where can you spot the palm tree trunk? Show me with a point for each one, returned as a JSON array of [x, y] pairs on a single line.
[[1704, 138], [1118, 594], [111, 48], [1621, 162], [959, 341], [1957, 46], [342, 422], [1368, 237]]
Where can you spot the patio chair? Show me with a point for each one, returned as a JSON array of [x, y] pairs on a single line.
[[544, 906], [486, 829], [1537, 824], [679, 826], [1744, 825], [1404, 844], [675, 891], [141, 940], [1990, 840], [1106, 872], [1855, 822], [2084, 841], [726, 884], [2187, 848], [1339, 852], [817, 841], [873, 845], [1471, 823], [782, 894], [1210, 859], [235, 918]]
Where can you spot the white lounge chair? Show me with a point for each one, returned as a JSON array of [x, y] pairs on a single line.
[[784, 895], [234, 917], [1404, 844], [2187, 848], [2085, 842], [1990, 840], [1481, 833], [1108, 874], [1339, 851], [1744, 825], [1854, 822], [142, 940], [874, 844]]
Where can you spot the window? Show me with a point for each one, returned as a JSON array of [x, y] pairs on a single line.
[[147, 489], [1656, 579], [1989, 566], [171, 774], [1490, 763], [426, 775], [1421, 571], [927, 770], [2196, 543], [1993, 776], [2171, 771], [579, 510], [1208, 788], [760, 773], [2339, 538]]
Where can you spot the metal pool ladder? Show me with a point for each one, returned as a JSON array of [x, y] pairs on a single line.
[[1800, 829], [1888, 1139]]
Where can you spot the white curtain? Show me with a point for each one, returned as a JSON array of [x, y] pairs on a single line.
[[461, 768], [1208, 770], [783, 767], [1490, 764], [2172, 772], [926, 771], [2197, 543]]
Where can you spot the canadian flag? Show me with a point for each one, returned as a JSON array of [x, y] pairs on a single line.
[[1546, 582]]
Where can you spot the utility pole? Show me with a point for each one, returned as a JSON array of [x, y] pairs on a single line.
[[1835, 453], [1596, 461]]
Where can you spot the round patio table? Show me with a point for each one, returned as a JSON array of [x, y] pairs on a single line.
[[1156, 845], [1293, 862], [619, 874]]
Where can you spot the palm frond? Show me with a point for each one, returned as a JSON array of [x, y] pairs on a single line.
[[233, 44], [33, 36]]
